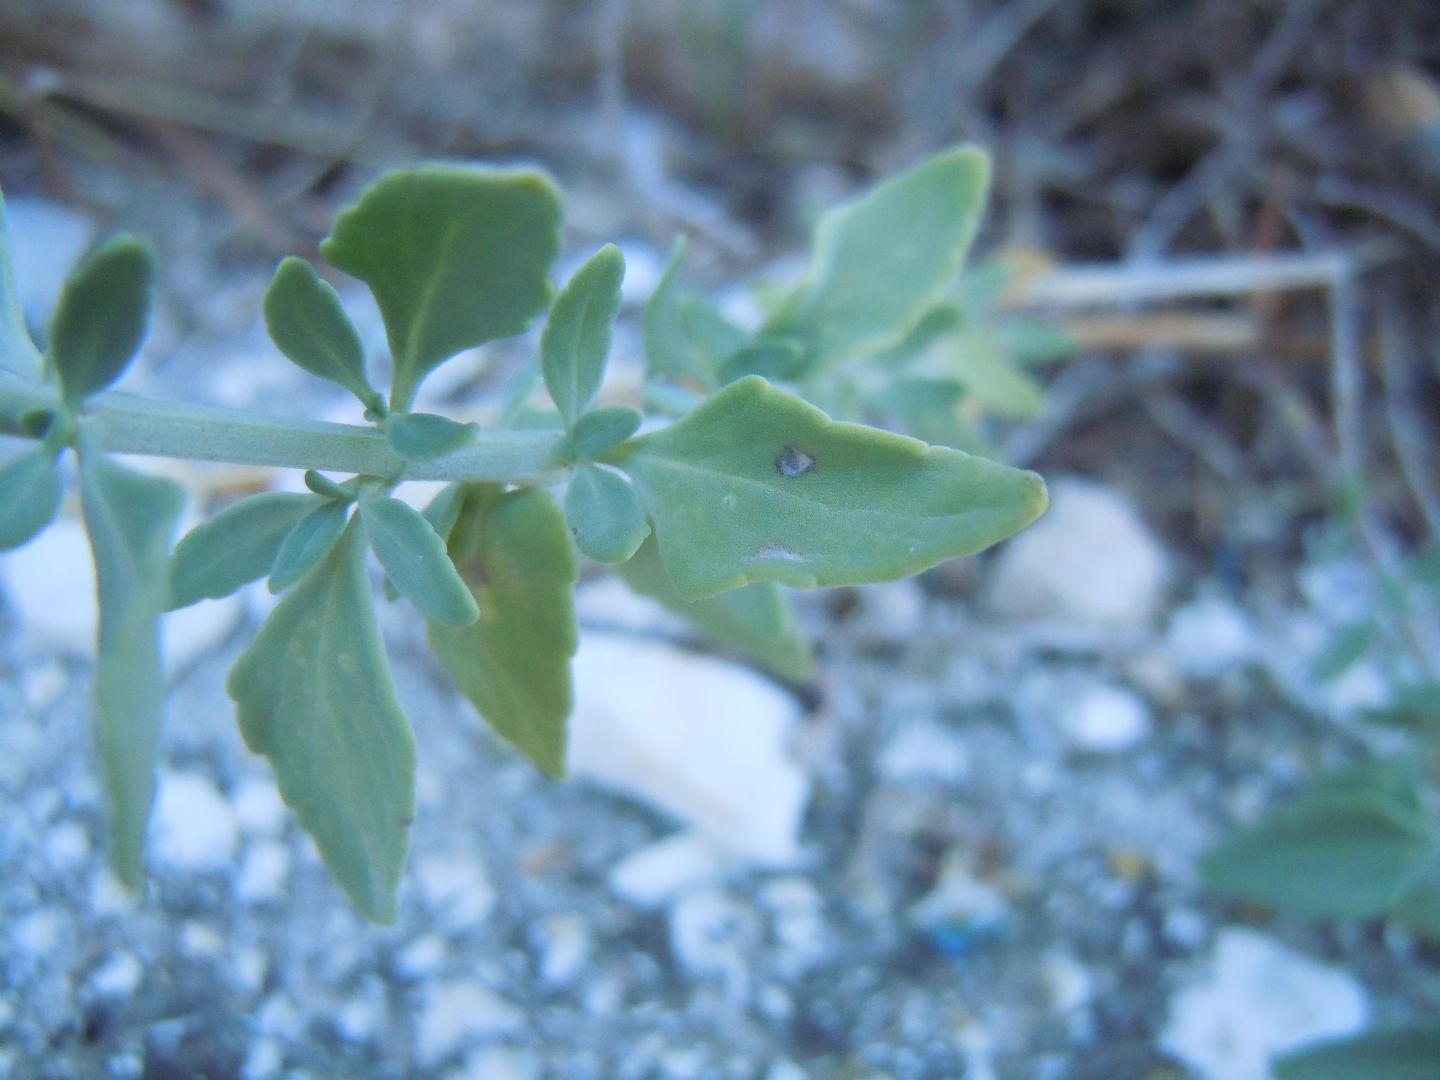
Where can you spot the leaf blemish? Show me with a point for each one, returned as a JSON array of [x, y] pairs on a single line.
[[793, 462], [775, 551]]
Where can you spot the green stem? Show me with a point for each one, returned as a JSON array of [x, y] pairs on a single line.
[[131, 425]]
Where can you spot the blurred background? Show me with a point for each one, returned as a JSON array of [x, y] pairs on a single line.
[[968, 846]]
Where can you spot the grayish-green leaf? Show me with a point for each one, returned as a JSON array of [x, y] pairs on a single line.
[[1415, 706], [669, 352], [604, 429], [1346, 647], [307, 544], [455, 257], [30, 493], [576, 341], [422, 436], [755, 620], [416, 562], [513, 663], [308, 324], [236, 546], [604, 513], [883, 260], [100, 319], [18, 355], [314, 695], [757, 485], [1348, 847], [708, 331], [130, 518], [774, 358], [1411, 1053], [444, 509], [323, 486]]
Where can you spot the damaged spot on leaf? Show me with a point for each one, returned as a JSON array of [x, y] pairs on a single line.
[[793, 462]]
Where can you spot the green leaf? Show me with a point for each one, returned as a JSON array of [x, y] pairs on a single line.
[[883, 260], [307, 544], [1348, 847], [1415, 706], [1419, 909], [422, 436], [416, 562], [604, 429], [308, 324], [990, 379], [757, 485], [708, 331], [235, 547], [755, 620], [604, 513], [1398, 1054], [313, 694], [669, 352], [1347, 646], [513, 663], [30, 492], [576, 341], [774, 358], [101, 317], [18, 355], [455, 257], [326, 488], [130, 518]]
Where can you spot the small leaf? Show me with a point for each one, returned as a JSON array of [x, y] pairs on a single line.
[[101, 317], [416, 562], [774, 358], [757, 485], [18, 355], [307, 544], [1346, 647], [423, 436], [30, 493], [308, 324], [755, 620], [129, 517], [708, 331], [513, 663], [314, 695], [1397, 1054], [669, 353], [991, 380], [235, 547], [883, 260], [576, 341], [455, 257], [326, 488], [604, 429], [444, 509], [605, 514], [1349, 847]]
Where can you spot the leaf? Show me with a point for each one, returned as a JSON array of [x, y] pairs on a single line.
[[576, 341], [1411, 1053], [604, 429], [100, 319], [455, 257], [235, 547], [1349, 847], [129, 517], [307, 322], [604, 513], [990, 379], [774, 358], [1415, 706], [757, 485], [326, 488], [313, 694], [416, 562], [513, 663], [708, 331], [422, 436], [18, 355], [307, 544], [669, 353], [883, 260], [30, 493], [755, 620], [1346, 647], [1419, 909]]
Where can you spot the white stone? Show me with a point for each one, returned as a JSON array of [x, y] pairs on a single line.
[[423, 957], [711, 936], [457, 1013], [258, 807], [192, 632], [608, 603], [193, 827], [36, 934], [959, 899], [797, 917], [663, 870], [279, 1015], [893, 611], [696, 737], [44, 684], [924, 750], [201, 940], [456, 889], [67, 845], [1209, 637], [499, 1063], [263, 873], [1257, 1002], [118, 976], [1089, 562], [46, 239], [1103, 718], [565, 948], [359, 1020], [263, 1060], [1068, 982]]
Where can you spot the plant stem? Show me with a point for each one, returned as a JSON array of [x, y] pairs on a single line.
[[132, 425]]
